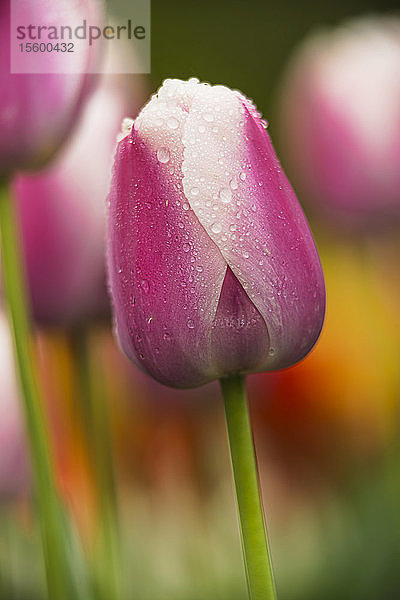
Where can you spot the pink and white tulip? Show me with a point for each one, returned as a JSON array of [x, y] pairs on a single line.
[[340, 120], [212, 266], [62, 212], [38, 111]]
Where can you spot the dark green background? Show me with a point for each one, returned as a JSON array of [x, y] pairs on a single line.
[[241, 44]]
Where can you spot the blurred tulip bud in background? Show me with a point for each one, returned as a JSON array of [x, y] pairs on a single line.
[[340, 120], [13, 455], [212, 266], [62, 212], [38, 111]]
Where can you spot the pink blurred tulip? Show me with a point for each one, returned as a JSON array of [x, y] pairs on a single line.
[[13, 455], [212, 266], [340, 120], [37, 111], [62, 212]]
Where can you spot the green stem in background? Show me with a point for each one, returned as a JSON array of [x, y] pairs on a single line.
[[52, 521], [260, 580], [96, 425]]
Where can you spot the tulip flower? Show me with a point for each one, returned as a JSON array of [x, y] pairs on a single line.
[[38, 111], [13, 454], [62, 212], [340, 120], [213, 270]]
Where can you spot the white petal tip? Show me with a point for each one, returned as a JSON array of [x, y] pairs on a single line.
[[126, 128]]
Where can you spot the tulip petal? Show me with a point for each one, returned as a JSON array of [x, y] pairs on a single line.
[[166, 274], [240, 337], [245, 203]]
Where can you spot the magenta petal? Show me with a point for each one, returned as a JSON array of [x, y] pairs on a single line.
[[240, 340], [165, 273], [277, 261]]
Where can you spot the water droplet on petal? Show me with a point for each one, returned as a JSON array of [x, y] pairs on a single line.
[[186, 247], [173, 123], [243, 176], [144, 284], [216, 228], [208, 117], [163, 155], [234, 184], [190, 324], [225, 195]]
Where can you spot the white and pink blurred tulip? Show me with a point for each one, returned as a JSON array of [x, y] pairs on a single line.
[[62, 211], [212, 266], [39, 111], [62, 215], [340, 121]]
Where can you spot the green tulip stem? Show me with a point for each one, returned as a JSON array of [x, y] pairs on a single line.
[[50, 513], [89, 364], [260, 580]]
